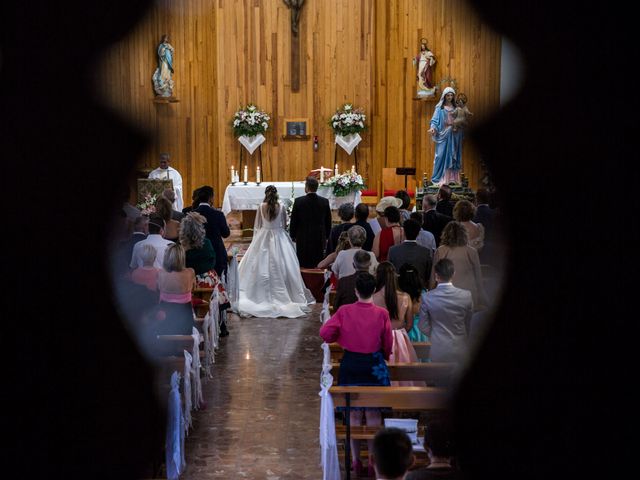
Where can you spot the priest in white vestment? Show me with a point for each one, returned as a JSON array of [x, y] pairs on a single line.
[[164, 171]]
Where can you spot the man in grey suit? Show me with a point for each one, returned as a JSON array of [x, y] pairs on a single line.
[[410, 252], [445, 316]]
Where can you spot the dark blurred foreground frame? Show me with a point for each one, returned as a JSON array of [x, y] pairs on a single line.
[[546, 396]]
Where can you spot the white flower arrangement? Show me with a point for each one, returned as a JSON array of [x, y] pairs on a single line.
[[250, 121], [345, 183], [348, 120]]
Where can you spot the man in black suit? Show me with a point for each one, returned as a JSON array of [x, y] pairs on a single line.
[[484, 214], [410, 252], [310, 225], [216, 227], [433, 221], [445, 204]]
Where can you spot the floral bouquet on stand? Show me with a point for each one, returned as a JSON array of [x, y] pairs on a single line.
[[345, 183], [148, 205], [249, 125], [347, 123]]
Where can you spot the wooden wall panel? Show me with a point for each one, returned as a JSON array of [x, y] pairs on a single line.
[[231, 52], [465, 49]]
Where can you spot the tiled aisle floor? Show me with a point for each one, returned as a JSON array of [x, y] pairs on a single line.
[[263, 405]]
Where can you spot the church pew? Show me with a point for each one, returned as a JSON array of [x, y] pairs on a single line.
[[202, 293], [434, 374], [422, 350], [169, 345], [397, 398]]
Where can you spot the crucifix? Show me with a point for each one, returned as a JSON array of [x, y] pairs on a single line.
[[296, 7]]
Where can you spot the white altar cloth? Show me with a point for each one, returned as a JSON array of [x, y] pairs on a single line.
[[250, 196]]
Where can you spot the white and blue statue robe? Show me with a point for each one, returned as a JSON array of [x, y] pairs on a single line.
[[448, 146]]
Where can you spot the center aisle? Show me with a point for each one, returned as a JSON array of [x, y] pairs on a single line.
[[263, 409]]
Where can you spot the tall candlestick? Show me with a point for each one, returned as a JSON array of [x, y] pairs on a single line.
[[233, 174], [335, 170], [258, 175], [321, 174], [246, 174], [353, 169]]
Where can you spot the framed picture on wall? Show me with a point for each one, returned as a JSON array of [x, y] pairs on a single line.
[[296, 128]]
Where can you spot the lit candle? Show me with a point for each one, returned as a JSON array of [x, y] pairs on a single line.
[[353, 169], [335, 170], [258, 175], [233, 174], [246, 174], [321, 174]]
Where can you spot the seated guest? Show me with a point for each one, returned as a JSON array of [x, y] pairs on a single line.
[[200, 255], [346, 293], [175, 283], [156, 229], [345, 212], [424, 238], [438, 442], [147, 274], [463, 212], [343, 264], [122, 254], [362, 214], [364, 332], [164, 208], [342, 244], [404, 208], [410, 252], [454, 245], [392, 454], [398, 304], [389, 236], [445, 316]]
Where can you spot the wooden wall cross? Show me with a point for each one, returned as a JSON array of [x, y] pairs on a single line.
[[296, 7]]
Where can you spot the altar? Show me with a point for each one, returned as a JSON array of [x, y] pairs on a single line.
[[250, 196]]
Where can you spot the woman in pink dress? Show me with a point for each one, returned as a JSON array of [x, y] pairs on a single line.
[[388, 295]]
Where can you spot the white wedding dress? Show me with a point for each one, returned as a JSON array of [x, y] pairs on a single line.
[[271, 284]]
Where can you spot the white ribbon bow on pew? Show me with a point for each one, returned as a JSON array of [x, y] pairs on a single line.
[[326, 314], [328, 444]]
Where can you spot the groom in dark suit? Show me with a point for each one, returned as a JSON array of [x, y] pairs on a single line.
[[310, 225]]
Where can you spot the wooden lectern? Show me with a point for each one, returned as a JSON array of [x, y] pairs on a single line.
[[152, 186]]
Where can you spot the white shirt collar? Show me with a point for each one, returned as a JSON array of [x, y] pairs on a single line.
[[411, 241], [445, 283], [205, 203]]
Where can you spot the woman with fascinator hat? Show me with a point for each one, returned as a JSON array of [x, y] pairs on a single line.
[[447, 162]]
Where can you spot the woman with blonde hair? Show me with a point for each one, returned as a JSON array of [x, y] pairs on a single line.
[[175, 283], [454, 244]]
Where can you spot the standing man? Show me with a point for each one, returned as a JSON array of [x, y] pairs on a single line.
[[433, 221], [445, 316], [216, 227], [165, 172], [310, 225]]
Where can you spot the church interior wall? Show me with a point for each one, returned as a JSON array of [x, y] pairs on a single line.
[[231, 52]]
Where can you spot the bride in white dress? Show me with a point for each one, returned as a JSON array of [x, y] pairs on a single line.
[[271, 284]]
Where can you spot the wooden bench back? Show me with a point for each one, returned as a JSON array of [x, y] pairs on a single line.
[[397, 398], [434, 374]]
